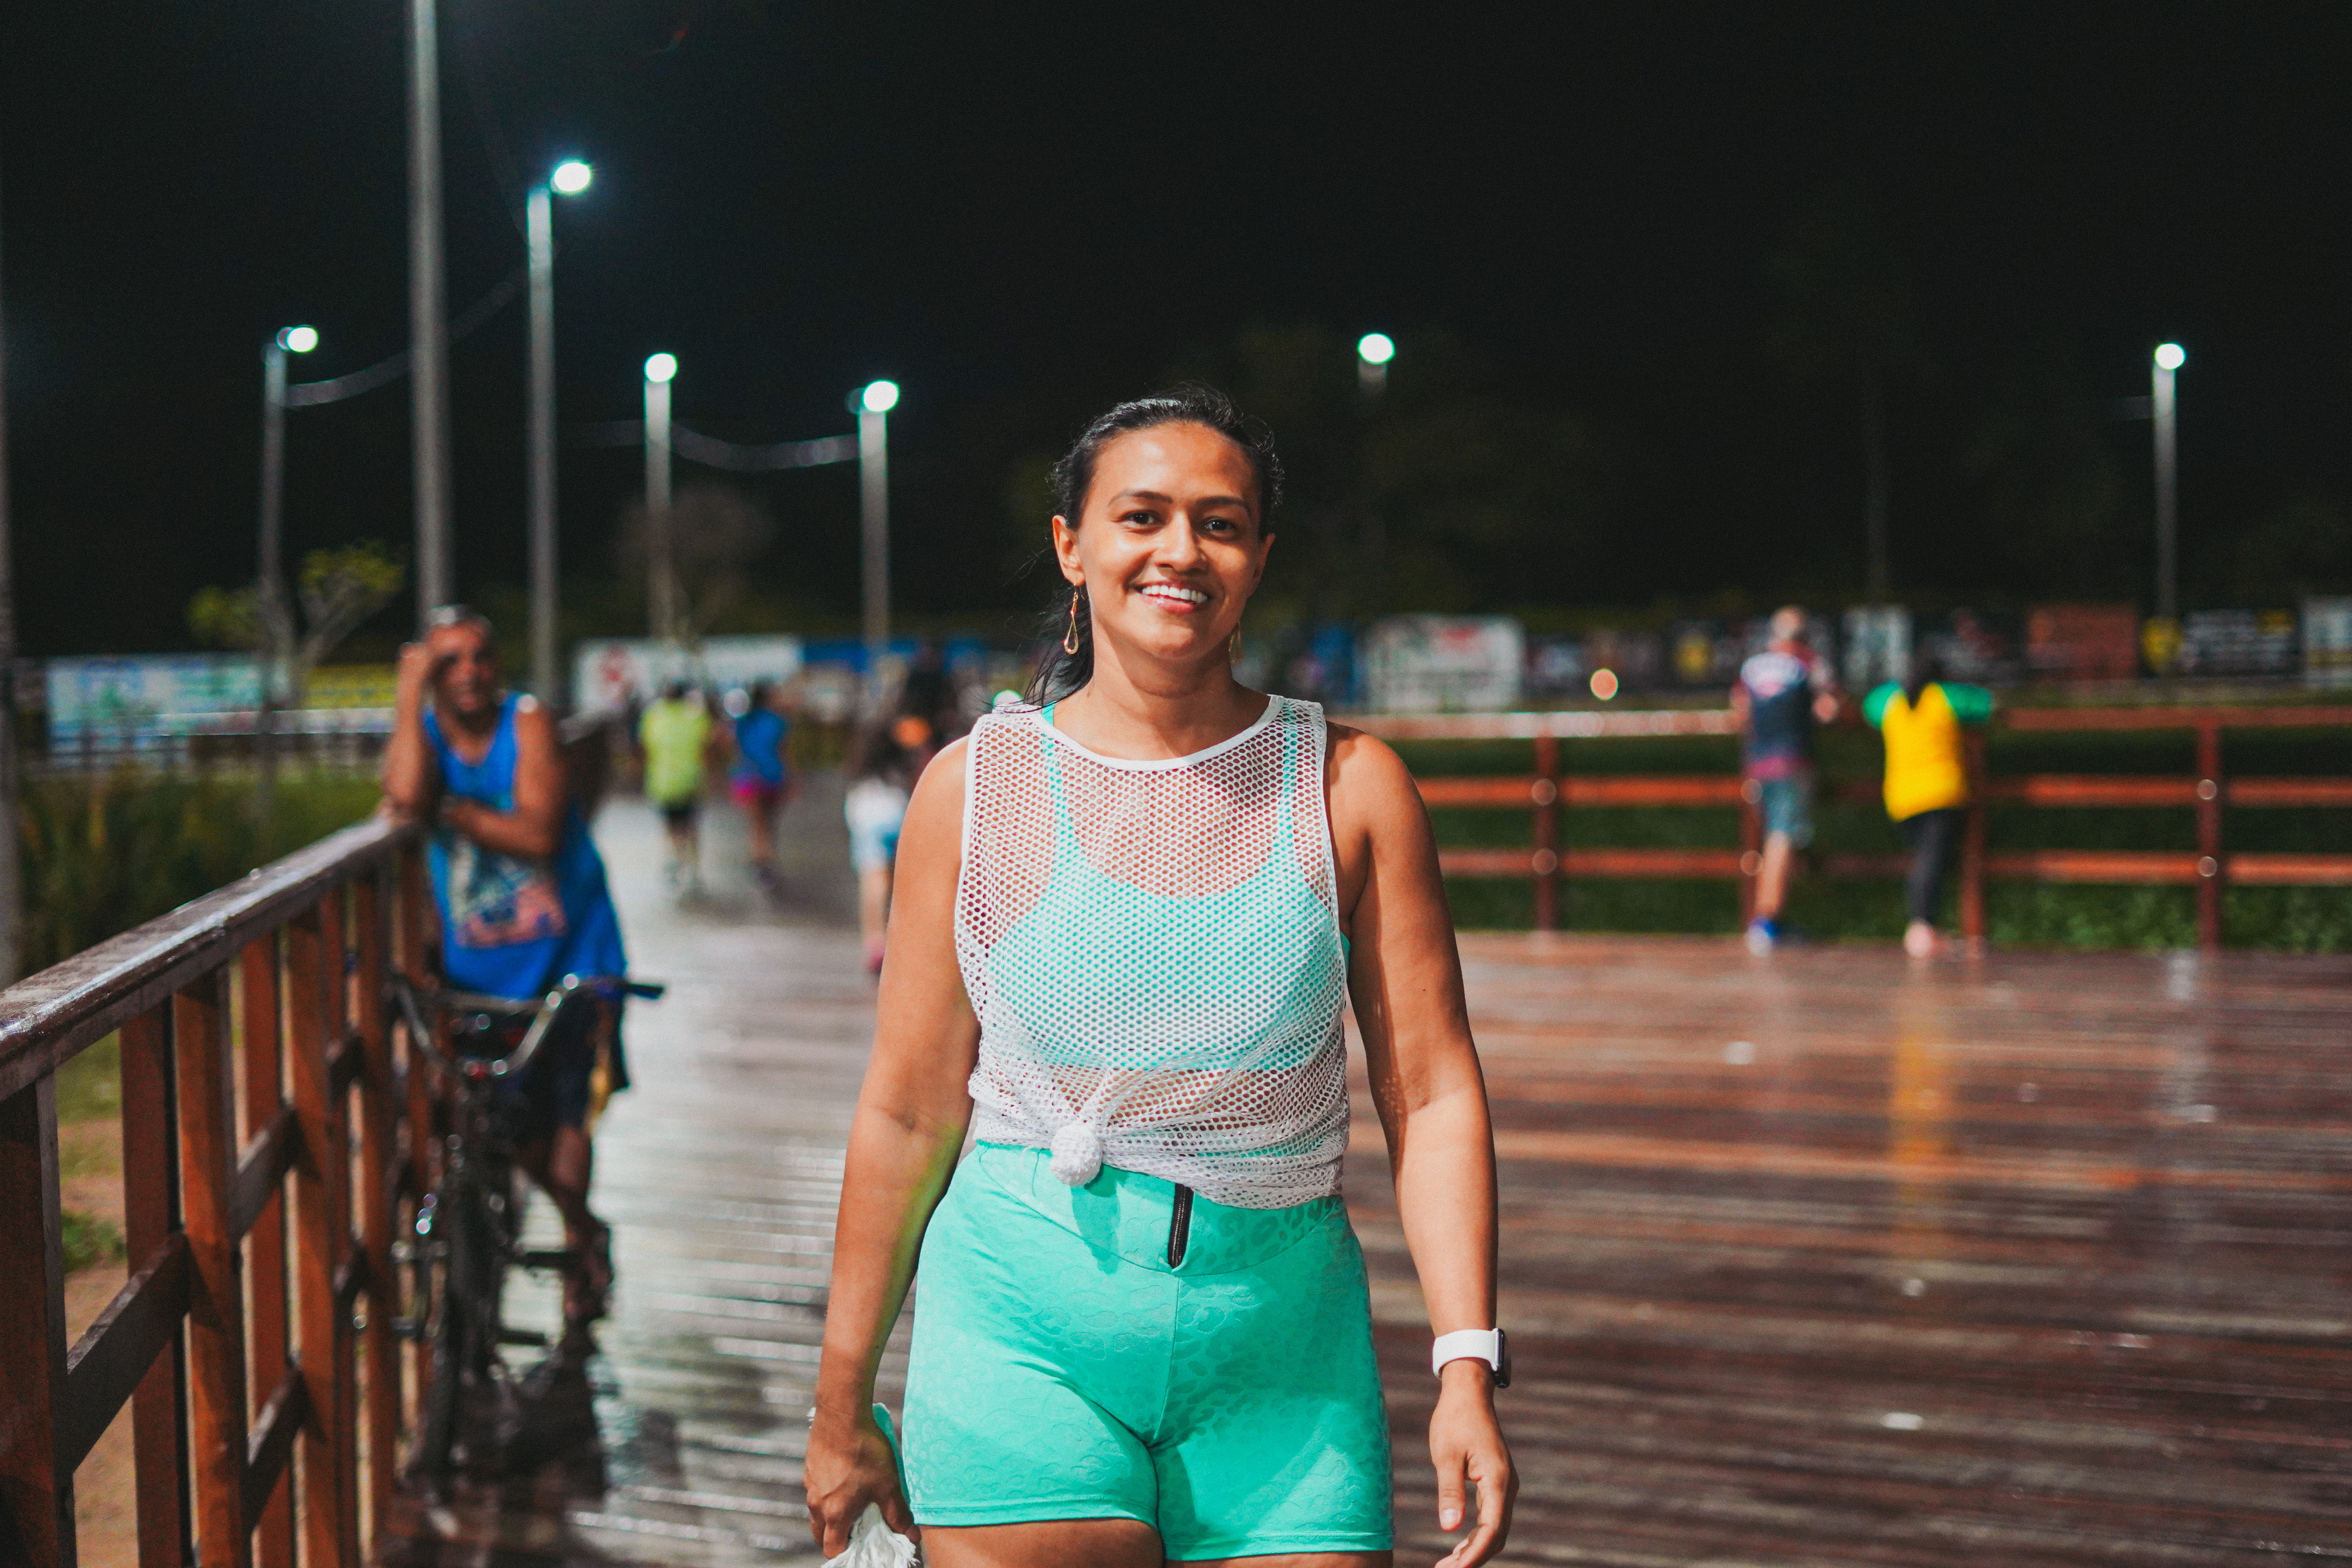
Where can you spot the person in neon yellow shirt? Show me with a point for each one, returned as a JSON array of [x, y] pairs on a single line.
[[676, 733], [1920, 721]]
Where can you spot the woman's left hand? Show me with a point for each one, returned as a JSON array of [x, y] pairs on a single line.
[[1466, 1444]]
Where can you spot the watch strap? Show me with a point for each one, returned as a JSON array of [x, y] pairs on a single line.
[[1468, 1344]]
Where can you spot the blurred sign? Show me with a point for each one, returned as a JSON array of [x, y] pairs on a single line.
[[1974, 646], [2327, 642], [2083, 642], [1877, 645], [1442, 663], [2237, 642], [1555, 667], [142, 699], [615, 674], [352, 686], [1636, 660]]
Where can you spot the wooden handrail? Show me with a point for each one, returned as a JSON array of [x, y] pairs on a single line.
[[242, 1222], [2209, 868]]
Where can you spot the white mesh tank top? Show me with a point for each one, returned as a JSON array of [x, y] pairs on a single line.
[[1153, 951]]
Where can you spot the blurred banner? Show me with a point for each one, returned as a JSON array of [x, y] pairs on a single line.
[[137, 701], [2327, 641], [615, 675], [1413, 664]]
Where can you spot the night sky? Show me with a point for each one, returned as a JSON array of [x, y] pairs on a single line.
[[1022, 212]]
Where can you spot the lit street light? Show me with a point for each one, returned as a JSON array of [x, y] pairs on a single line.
[[570, 178], [873, 403], [2170, 357], [1373, 352], [660, 370], [277, 616]]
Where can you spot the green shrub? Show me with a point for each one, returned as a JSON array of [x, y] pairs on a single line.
[[89, 1240]]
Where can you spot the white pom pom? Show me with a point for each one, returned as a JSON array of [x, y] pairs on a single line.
[[1077, 1154]]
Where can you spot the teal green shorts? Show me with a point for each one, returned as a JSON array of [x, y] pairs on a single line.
[[1063, 1370]]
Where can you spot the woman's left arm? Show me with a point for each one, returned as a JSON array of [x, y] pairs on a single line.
[[1405, 979]]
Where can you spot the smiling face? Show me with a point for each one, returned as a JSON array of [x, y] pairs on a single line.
[[1172, 543], [465, 669]]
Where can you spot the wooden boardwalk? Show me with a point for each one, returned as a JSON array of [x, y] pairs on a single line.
[[1824, 1258]]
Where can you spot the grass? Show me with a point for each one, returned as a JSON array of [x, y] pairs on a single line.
[[89, 1241], [2294, 919]]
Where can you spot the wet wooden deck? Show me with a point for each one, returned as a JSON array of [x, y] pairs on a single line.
[[1824, 1258]]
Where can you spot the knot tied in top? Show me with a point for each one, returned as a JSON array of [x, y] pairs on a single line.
[[1078, 1153]]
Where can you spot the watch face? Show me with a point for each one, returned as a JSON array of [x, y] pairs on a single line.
[[1502, 1355]]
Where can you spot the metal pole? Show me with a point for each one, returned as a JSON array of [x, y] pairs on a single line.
[[2168, 519], [12, 949], [273, 604], [428, 316], [874, 494], [544, 679], [662, 576]]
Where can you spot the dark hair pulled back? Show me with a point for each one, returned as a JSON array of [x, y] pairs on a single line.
[[1060, 672]]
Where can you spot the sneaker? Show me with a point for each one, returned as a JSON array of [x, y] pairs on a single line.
[[1763, 935]]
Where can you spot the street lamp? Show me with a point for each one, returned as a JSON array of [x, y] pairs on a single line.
[[660, 370], [1373, 352], [570, 178], [2169, 358], [873, 403], [276, 618]]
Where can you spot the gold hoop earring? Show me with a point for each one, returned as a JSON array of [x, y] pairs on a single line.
[[1070, 638], [1233, 647]]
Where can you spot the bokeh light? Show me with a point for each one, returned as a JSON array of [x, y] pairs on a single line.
[[570, 177], [299, 340], [1375, 348], [1604, 684], [2170, 356], [879, 396], [661, 367]]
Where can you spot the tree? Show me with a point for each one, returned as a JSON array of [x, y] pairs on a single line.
[[716, 531]]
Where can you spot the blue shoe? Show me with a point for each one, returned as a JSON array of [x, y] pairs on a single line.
[[1763, 935]]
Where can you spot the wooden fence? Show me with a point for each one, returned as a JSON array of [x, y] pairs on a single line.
[[266, 1110], [2212, 868]]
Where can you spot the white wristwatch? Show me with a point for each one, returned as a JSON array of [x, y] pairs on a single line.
[[1489, 1345]]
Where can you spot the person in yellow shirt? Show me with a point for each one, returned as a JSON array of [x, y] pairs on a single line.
[[678, 738], [1920, 721]]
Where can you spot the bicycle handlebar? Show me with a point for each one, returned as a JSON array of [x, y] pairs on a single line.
[[544, 1011]]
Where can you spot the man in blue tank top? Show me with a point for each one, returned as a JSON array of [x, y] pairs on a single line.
[[1780, 694], [521, 896]]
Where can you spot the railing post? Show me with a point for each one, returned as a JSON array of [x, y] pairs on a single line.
[[1545, 793], [321, 1233], [2213, 866], [1972, 845], [151, 1212], [37, 1505], [216, 1381], [1751, 845], [264, 1246], [378, 1110]]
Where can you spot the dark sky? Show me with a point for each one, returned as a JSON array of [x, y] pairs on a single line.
[[1023, 211]]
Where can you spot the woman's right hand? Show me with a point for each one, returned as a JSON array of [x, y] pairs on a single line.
[[849, 1465]]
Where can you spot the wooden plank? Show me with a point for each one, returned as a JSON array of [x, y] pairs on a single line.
[[379, 1116], [1654, 789], [114, 1354], [2271, 869], [216, 1408], [259, 1169], [267, 1115], [1578, 724], [45, 1019], [151, 1204], [35, 1489], [2287, 791], [273, 1441], [2090, 790], [2060, 718], [321, 1231], [2092, 865]]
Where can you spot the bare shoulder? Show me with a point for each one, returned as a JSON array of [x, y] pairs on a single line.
[[1369, 784], [939, 794], [532, 719]]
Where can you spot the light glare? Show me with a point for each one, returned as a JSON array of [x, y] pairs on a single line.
[[661, 367], [880, 396], [1604, 684], [570, 177], [2170, 356], [1375, 348], [299, 340]]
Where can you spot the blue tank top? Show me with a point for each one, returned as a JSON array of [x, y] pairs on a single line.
[[513, 927]]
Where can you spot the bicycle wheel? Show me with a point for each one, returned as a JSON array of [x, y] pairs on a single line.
[[452, 1338]]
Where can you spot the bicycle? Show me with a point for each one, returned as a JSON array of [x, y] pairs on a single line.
[[467, 1230]]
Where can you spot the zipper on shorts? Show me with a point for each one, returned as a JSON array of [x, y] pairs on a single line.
[[1179, 1226]]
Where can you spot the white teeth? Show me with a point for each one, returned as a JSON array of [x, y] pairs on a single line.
[[1170, 590]]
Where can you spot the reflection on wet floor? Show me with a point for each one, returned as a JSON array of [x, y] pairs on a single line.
[[1822, 1258]]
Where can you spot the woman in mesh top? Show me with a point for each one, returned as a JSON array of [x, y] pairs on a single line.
[[1128, 915]]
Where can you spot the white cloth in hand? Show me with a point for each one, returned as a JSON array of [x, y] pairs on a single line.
[[874, 1544]]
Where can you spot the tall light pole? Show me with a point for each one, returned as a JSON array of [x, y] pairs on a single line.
[[1373, 352], [276, 614], [570, 177], [2169, 358], [428, 317], [662, 567], [874, 403]]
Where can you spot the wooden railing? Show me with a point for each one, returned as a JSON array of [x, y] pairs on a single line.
[[2212, 868], [266, 1152]]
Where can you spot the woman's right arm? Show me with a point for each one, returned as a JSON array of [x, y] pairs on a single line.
[[903, 1143]]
